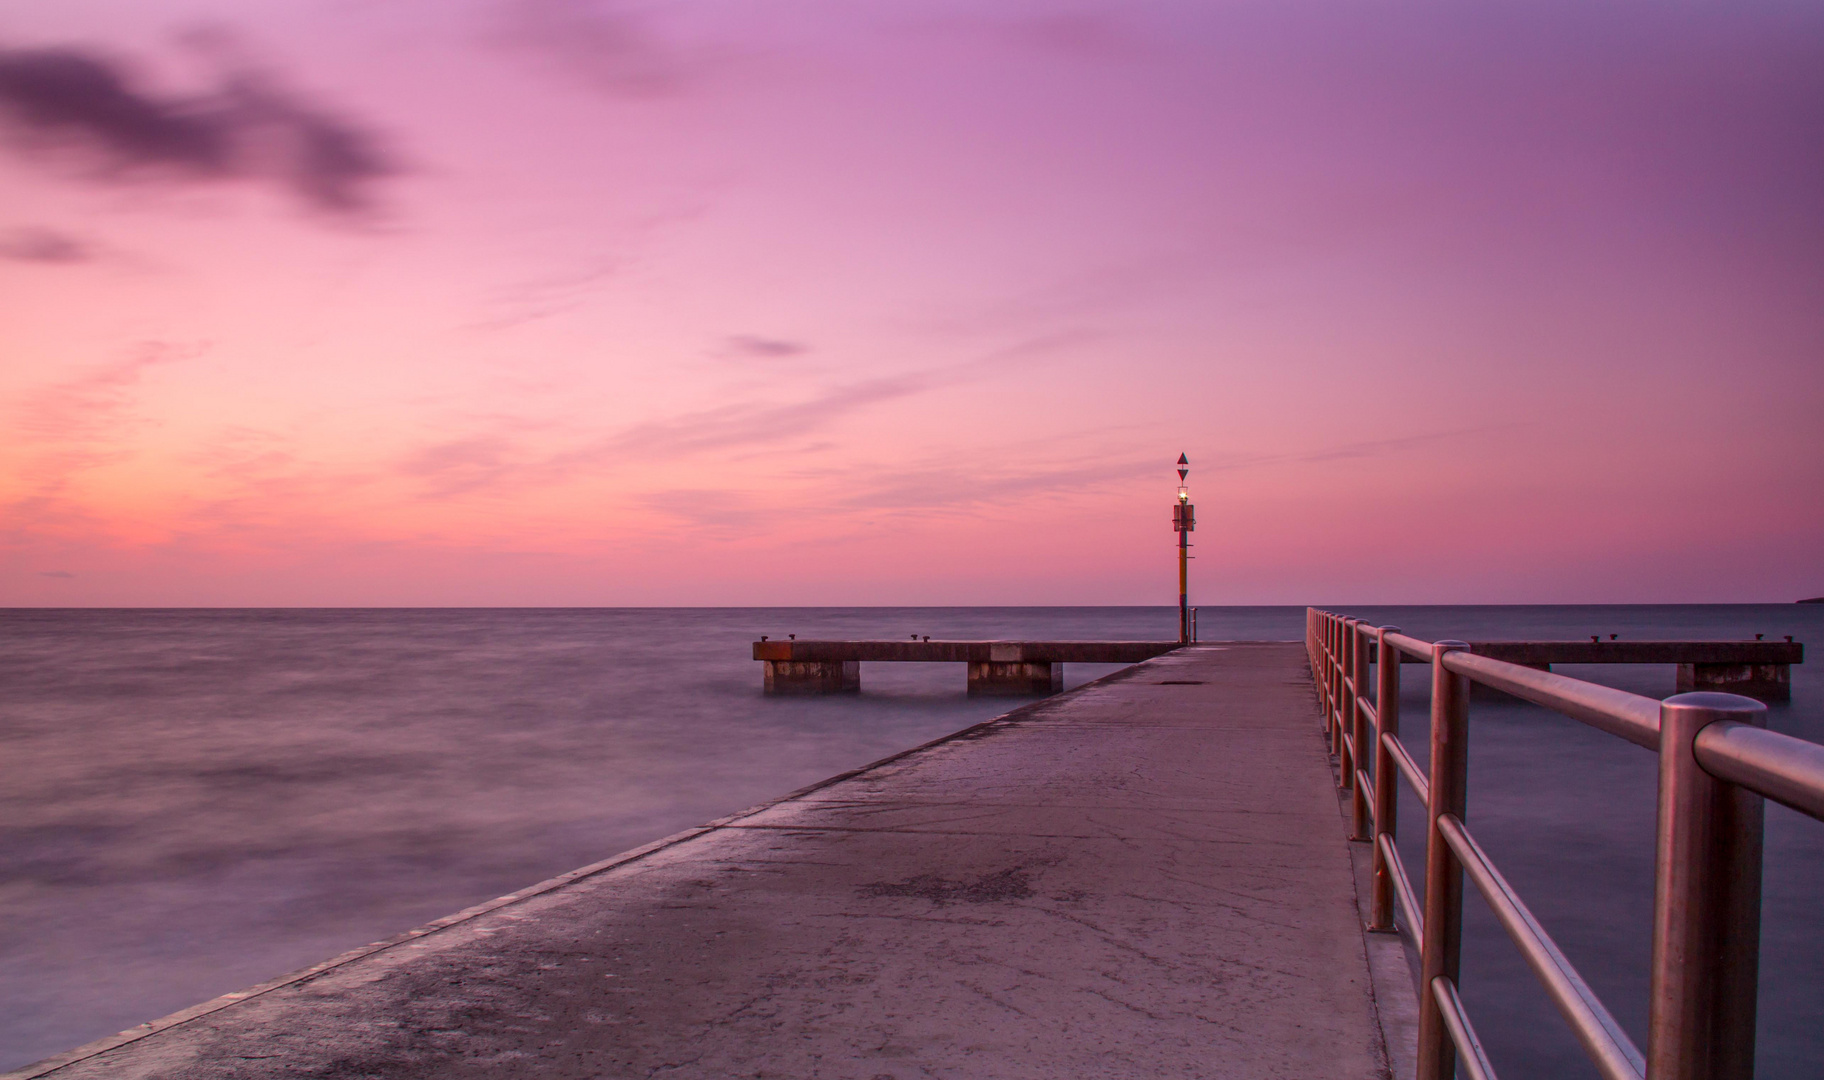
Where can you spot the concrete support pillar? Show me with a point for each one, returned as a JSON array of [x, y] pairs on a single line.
[[1763, 682], [813, 676], [1011, 678]]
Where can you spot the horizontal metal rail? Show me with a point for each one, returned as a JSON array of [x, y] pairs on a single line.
[[1469, 1048], [1779, 767], [1408, 768], [1617, 712], [1615, 1055], [1411, 646], [1716, 762], [1402, 887]]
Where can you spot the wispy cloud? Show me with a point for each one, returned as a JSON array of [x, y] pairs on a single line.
[[750, 425], [90, 407], [450, 468], [956, 486], [247, 127], [764, 348], [1365, 449], [717, 513], [499, 455], [41, 245], [602, 42], [67, 428], [1077, 33], [544, 297], [1072, 35]]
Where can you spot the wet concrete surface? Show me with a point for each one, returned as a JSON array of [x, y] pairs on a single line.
[[1144, 877]]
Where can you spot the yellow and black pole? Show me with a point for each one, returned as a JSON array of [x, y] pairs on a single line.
[[1183, 521]]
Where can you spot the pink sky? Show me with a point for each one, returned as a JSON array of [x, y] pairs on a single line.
[[576, 302]]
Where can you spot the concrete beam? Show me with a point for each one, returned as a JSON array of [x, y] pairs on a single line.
[[1014, 678], [1534, 653], [1756, 669], [968, 652], [1765, 682], [813, 676]]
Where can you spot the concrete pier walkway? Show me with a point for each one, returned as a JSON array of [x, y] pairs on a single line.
[[1145, 877]]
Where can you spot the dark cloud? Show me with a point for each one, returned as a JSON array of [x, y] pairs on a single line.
[[63, 91], [751, 345], [321, 157], [247, 128], [42, 245]]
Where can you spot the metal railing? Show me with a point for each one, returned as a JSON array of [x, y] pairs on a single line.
[[1717, 762]]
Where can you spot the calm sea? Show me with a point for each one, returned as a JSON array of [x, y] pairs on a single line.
[[194, 801]]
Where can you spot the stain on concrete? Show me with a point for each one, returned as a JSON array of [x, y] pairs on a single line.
[[1004, 885]]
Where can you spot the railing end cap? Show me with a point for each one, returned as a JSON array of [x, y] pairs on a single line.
[[1713, 701]]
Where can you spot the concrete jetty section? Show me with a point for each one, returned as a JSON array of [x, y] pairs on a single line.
[[1000, 668], [1147, 876], [1756, 669]]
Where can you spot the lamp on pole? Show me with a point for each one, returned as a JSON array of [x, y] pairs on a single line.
[[1184, 519]]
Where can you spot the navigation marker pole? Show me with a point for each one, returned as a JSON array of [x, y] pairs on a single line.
[[1183, 521]]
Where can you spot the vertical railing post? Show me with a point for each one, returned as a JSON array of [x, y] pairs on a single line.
[[1706, 903], [1323, 668], [1342, 642], [1314, 652], [1342, 687], [1336, 683], [1330, 672], [1360, 824], [1336, 678], [1329, 695], [1345, 720], [1347, 706], [1440, 949], [1386, 775], [1329, 689]]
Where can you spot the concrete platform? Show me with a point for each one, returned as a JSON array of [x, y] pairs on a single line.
[[996, 668], [1143, 877]]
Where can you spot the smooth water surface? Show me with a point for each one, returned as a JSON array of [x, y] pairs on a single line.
[[195, 801]]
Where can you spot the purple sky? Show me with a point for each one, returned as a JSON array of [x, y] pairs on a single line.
[[562, 302]]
